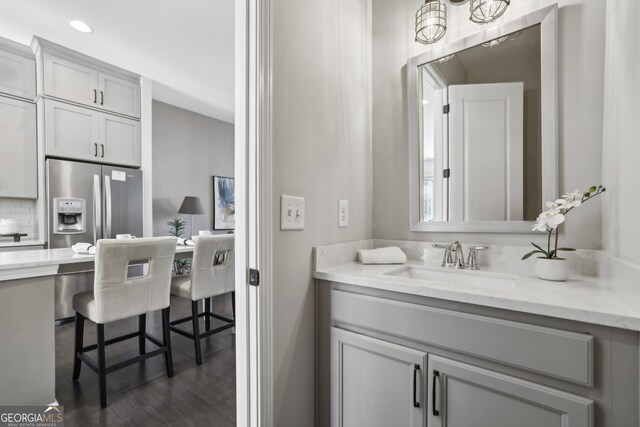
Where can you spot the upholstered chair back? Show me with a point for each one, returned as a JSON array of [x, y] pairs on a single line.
[[116, 295], [212, 270]]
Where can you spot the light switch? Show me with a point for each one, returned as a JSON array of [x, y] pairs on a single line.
[[343, 213], [291, 213]]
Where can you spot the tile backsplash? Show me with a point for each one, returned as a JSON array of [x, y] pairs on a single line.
[[22, 211]]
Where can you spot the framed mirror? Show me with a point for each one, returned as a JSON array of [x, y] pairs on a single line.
[[483, 128]]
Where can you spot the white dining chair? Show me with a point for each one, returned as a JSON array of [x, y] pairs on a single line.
[[212, 274], [116, 296]]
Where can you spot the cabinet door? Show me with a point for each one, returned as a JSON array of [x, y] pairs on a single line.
[[375, 383], [17, 75], [18, 149], [119, 95], [70, 81], [121, 140], [70, 131], [467, 396]]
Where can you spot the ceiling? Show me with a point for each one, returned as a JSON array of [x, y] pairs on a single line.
[[186, 47]]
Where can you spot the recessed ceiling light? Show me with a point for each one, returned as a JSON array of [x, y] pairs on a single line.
[[80, 26]]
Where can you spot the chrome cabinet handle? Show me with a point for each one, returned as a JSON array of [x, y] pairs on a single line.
[[436, 375], [416, 369]]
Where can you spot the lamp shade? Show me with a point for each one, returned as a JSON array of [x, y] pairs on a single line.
[[191, 205]]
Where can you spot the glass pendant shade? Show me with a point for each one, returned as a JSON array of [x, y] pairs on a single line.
[[485, 11], [431, 22]]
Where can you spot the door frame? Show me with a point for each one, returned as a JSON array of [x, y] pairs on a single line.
[[254, 326]]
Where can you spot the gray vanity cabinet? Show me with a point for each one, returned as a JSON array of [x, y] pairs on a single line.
[[468, 396], [375, 383], [75, 132], [473, 366]]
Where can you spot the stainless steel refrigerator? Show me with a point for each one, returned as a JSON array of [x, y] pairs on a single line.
[[87, 202]]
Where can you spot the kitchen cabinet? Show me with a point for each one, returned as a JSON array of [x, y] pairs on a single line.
[[375, 383], [120, 140], [79, 133], [18, 149], [463, 395], [70, 80], [119, 95], [17, 74], [69, 76]]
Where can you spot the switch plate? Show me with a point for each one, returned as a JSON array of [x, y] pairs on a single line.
[[291, 213], [343, 213]]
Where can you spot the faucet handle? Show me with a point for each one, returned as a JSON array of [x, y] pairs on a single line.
[[472, 259], [447, 260]]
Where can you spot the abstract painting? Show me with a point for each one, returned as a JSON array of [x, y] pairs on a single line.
[[224, 206]]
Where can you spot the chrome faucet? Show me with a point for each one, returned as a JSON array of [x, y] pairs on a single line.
[[454, 256]]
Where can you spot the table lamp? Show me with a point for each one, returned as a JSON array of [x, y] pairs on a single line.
[[191, 205]]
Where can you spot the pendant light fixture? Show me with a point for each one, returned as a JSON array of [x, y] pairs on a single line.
[[431, 21], [485, 11]]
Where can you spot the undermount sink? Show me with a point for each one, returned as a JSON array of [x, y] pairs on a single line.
[[451, 277]]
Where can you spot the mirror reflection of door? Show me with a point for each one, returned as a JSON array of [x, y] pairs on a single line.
[[485, 143]]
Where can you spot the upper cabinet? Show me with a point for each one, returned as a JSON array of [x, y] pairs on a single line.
[[17, 73], [71, 77], [18, 139]]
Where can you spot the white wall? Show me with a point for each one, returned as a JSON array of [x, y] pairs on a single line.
[[322, 151], [188, 150], [581, 57], [621, 234]]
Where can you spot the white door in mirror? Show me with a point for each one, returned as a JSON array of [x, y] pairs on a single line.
[[291, 213]]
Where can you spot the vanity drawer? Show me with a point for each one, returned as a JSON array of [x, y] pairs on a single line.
[[554, 352]]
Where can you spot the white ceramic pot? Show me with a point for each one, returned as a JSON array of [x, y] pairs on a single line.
[[9, 226], [552, 269]]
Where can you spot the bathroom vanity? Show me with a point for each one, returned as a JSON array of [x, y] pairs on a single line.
[[417, 345]]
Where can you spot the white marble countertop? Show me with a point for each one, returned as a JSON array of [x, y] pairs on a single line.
[[39, 262], [584, 299]]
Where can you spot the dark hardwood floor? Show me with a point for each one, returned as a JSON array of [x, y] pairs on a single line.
[[142, 394]]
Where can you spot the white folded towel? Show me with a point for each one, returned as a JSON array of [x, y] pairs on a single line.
[[85, 248], [388, 255], [185, 242]]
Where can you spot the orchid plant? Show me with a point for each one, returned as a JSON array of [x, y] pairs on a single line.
[[549, 221]]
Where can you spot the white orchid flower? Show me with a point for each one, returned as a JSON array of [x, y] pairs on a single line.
[[554, 207], [549, 219], [572, 200]]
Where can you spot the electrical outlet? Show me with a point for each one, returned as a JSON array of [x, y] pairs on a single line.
[[343, 213], [291, 213]]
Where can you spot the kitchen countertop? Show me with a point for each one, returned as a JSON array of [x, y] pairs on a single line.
[[9, 243], [41, 262], [584, 299]]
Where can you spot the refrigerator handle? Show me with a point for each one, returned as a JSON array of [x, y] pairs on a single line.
[[107, 211], [97, 209]]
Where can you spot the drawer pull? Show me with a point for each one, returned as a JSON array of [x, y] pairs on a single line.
[[416, 369], [436, 375]]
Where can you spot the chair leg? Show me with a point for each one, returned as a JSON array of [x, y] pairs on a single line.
[[207, 310], [233, 304], [168, 357], [77, 363], [196, 331], [102, 367], [142, 328]]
